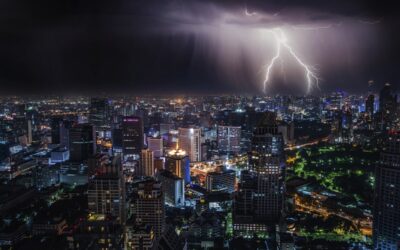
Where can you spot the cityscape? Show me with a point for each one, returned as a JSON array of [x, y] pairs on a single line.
[[222, 125]]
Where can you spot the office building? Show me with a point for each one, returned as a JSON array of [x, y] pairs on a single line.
[[190, 141], [82, 141], [106, 191], [173, 188], [228, 138], [55, 129], [386, 226], [149, 205], [99, 113], [222, 181], [117, 138], [267, 162], [177, 162], [59, 155], [146, 167], [132, 136], [155, 144]]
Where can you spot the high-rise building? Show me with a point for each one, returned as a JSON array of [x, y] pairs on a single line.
[[82, 141], [267, 162], [132, 136], [336, 100], [99, 113], [177, 162], [146, 167], [149, 205], [224, 180], [106, 191], [369, 105], [287, 131], [117, 140], [55, 129], [346, 133], [65, 127], [386, 226], [387, 107], [387, 100], [228, 138], [155, 144], [190, 141], [259, 200], [22, 128], [173, 188], [243, 205]]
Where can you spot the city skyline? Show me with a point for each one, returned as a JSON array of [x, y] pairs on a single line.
[[199, 125]]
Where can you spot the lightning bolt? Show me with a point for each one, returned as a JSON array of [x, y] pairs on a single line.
[[271, 64], [282, 42]]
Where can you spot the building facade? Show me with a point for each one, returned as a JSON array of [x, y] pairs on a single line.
[[386, 226], [190, 141]]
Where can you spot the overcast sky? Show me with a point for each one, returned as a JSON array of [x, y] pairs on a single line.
[[193, 46]]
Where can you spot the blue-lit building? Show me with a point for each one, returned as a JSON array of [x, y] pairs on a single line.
[[177, 162]]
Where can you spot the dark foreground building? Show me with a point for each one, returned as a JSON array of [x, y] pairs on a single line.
[[387, 196]]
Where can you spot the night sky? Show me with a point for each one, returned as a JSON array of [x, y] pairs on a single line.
[[71, 46]]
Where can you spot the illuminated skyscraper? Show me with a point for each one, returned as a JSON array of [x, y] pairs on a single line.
[[228, 138], [336, 100], [243, 207], [173, 188], [267, 162], [177, 162], [224, 180], [132, 136], [146, 163], [386, 226], [149, 205], [259, 201], [190, 141], [106, 191], [22, 128], [155, 144]]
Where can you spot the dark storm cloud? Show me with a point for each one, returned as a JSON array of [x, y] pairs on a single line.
[[132, 46]]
